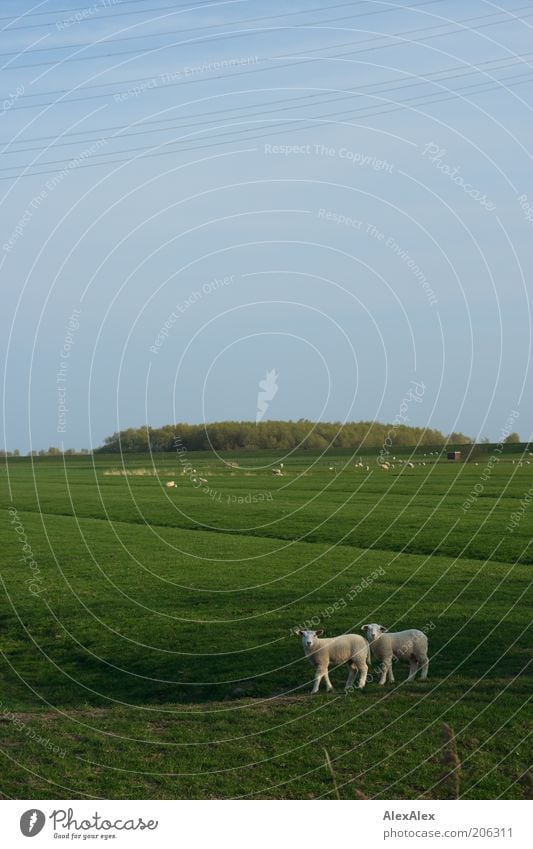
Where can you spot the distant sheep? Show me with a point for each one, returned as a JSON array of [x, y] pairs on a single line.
[[277, 472], [169, 484], [411, 645], [351, 649]]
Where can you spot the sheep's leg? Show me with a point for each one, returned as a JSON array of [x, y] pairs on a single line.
[[384, 671], [319, 674], [390, 674], [413, 668], [363, 672], [424, 666], [351, 675]]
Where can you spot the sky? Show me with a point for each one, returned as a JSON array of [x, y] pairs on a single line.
[[196, 195]]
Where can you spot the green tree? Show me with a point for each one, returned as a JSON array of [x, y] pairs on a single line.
[[512, 439], [457, 438]]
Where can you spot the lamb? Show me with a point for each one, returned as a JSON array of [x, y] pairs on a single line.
[[411, 645], [351, 649]]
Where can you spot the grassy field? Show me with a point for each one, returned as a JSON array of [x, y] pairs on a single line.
[[146, 631]]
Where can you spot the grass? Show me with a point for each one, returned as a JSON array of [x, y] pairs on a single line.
[[155, 659]]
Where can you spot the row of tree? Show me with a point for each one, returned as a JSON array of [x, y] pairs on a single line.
[[53, 451], [233, 436], [285, 435]]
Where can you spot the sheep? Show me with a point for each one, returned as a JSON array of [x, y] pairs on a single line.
[[411, 645], [170, 483], [351, 649], [277, 472]]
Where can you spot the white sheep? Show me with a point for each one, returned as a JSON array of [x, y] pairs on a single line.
[[411, 645], [170, 484], [351, 649]]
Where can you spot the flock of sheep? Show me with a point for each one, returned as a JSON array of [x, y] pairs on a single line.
[[356, 653]]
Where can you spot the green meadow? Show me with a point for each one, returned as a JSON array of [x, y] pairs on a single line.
[[146, 630]]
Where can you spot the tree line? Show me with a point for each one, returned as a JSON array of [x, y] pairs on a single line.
[[284, 435]]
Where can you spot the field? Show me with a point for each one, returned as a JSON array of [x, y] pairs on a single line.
[[146, 631]]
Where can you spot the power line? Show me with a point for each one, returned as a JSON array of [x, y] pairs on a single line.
[[186, 9], [83, 9], [286, 103], [180, 31], [207, 26], [225, 37], [282, 124], [199, 80]]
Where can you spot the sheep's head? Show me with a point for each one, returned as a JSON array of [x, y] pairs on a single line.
[[373, 631], [309, 637]]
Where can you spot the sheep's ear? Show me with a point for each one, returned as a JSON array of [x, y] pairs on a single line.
[[319, 632], [382, 628], [364, 627], [297, 632]]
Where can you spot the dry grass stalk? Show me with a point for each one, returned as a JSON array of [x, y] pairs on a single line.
[[330, 769], [451, 777]]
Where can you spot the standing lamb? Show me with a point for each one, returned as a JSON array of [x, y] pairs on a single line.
[[348, 648], [411, 645]]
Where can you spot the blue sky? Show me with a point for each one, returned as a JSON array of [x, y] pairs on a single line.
[[340, 195]]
